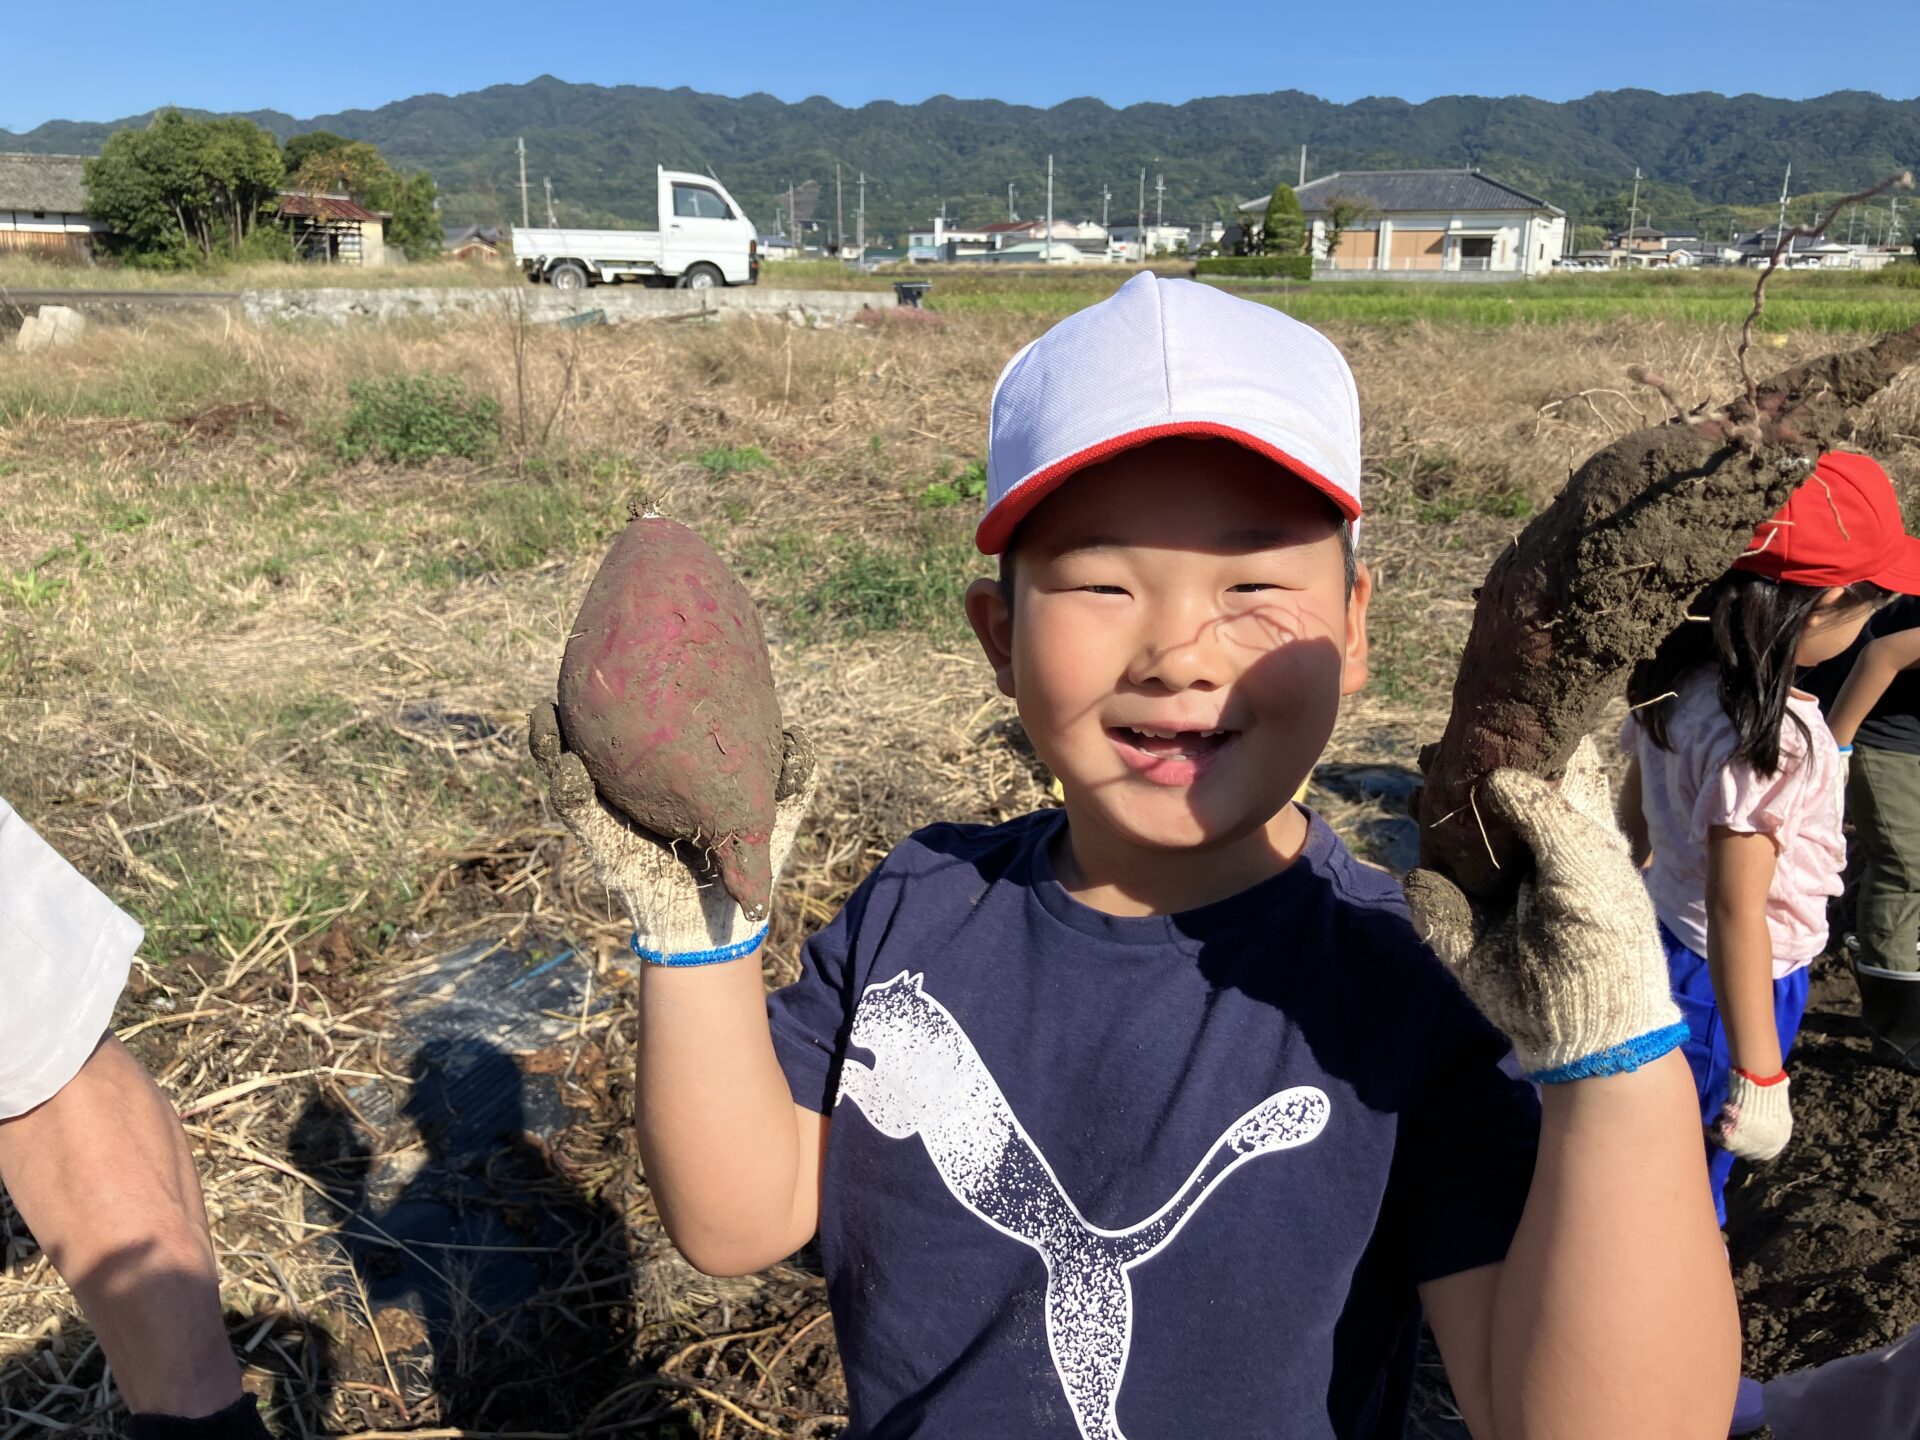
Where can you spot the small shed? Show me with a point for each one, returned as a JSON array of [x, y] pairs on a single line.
[[333, 229], [43, 206]]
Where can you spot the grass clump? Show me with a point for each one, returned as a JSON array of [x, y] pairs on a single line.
[[724, 460], [847, 588], [969, 487], [410, 419]]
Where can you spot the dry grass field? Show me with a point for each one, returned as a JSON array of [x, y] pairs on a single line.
[[269, 689]]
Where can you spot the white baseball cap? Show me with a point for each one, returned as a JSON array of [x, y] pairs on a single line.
[[1161, 358]]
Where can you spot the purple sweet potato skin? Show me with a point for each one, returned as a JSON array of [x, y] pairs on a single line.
[[666, 695]]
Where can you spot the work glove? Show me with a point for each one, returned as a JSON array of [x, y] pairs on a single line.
[[1573, 971], [1756, 1121], [681, 913]]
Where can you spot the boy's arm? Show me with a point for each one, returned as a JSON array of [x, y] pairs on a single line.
[[1880, 660], [733, 1162], [102, 1175], [1613, 1312]]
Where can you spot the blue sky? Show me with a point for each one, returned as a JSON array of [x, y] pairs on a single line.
[[222, 55]]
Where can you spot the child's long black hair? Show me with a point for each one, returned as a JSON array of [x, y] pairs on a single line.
[[1748, 629]]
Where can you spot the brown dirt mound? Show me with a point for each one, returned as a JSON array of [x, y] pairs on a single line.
[[1826, 1239]]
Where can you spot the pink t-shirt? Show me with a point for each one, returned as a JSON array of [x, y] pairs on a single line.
[[1698, 784]]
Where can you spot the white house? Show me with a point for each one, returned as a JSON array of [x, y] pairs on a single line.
[[43, 206], [1411, 222]]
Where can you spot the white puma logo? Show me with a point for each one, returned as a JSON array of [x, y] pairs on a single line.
[[928, 1080]]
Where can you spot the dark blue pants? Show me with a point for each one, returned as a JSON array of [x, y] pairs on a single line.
[[1706, 1043]]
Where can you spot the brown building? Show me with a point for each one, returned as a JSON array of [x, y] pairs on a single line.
[[333, 229], [43, 206]]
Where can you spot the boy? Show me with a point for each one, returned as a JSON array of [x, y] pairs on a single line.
[[1151, 1115], [93, 1156]]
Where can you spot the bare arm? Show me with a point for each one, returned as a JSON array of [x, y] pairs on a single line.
[[733, 1162], [1613, 1313], [1740, 948], [102, 1175], [1880, 660], [1632, 814]]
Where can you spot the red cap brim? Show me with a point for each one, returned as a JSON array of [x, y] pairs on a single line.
[[997, 528], [1902, 575]]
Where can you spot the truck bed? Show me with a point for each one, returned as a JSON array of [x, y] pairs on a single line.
[[620, 247]]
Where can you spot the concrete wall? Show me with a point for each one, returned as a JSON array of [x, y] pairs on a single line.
[[541, 304]]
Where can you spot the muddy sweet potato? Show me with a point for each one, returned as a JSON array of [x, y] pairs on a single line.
[[1594, 583], [666, 695]]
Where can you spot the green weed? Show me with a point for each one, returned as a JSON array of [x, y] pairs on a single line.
[[969, 487], [410, 419], [724, 460]]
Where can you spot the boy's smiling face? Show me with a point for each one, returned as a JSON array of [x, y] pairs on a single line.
[[1178, 633]]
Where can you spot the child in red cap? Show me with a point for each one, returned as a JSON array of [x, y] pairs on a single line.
[[1736, 788]]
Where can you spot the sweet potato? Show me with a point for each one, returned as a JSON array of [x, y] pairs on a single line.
[[1596, 580], [666, 695]]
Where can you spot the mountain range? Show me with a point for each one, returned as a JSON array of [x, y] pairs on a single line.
[[1709, 160]]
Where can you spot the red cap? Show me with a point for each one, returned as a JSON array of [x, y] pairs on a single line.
[[1840, 527]]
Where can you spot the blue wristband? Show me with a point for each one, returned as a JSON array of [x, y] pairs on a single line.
[[1616, 1059], [1846, 749], [687, 958]]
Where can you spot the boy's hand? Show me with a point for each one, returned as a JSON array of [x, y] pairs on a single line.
[[1574, 973], [681, 912], [1757, 1120]]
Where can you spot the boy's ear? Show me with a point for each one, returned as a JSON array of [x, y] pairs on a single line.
[[992, 621], [1354, 673]]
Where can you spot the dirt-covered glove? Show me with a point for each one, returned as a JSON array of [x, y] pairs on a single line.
[[1574, 972], [681, 913], [1756, 1121]]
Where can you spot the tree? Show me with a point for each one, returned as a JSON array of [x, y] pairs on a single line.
[[327, 164], [1343, 212], [1284, 232], [184, 191], [1588, 237]]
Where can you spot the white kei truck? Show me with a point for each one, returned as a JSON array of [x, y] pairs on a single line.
[[704, 240]]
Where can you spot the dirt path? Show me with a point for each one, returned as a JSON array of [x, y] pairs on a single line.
[[1826, 1240]]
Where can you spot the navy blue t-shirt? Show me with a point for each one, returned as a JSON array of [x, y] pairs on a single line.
[[1105, 1176]]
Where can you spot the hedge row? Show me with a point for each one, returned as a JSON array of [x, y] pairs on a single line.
[[1263, 267]]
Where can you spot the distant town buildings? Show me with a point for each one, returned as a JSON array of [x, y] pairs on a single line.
[[1426, 223]]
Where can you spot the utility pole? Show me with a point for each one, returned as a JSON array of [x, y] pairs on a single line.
[[525, 222], [1780, 234], [1106, 201], [860, 221], [552, 223], [1046, 255], [1893, 225], [1159, 201], [839, 218], [1303, 165], [1012, 214], [1140, 230], [1633, 209]]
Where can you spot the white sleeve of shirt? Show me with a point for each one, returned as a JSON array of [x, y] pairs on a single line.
[[64, 953]]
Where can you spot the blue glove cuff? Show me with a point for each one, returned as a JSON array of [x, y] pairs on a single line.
[[1616, 1059], [686, 958]]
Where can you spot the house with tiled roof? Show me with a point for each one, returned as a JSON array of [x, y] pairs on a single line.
[[43, 206], [1427, 223]]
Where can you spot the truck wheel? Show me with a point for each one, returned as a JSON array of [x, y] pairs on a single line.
[[567, 275], [701, 277]]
